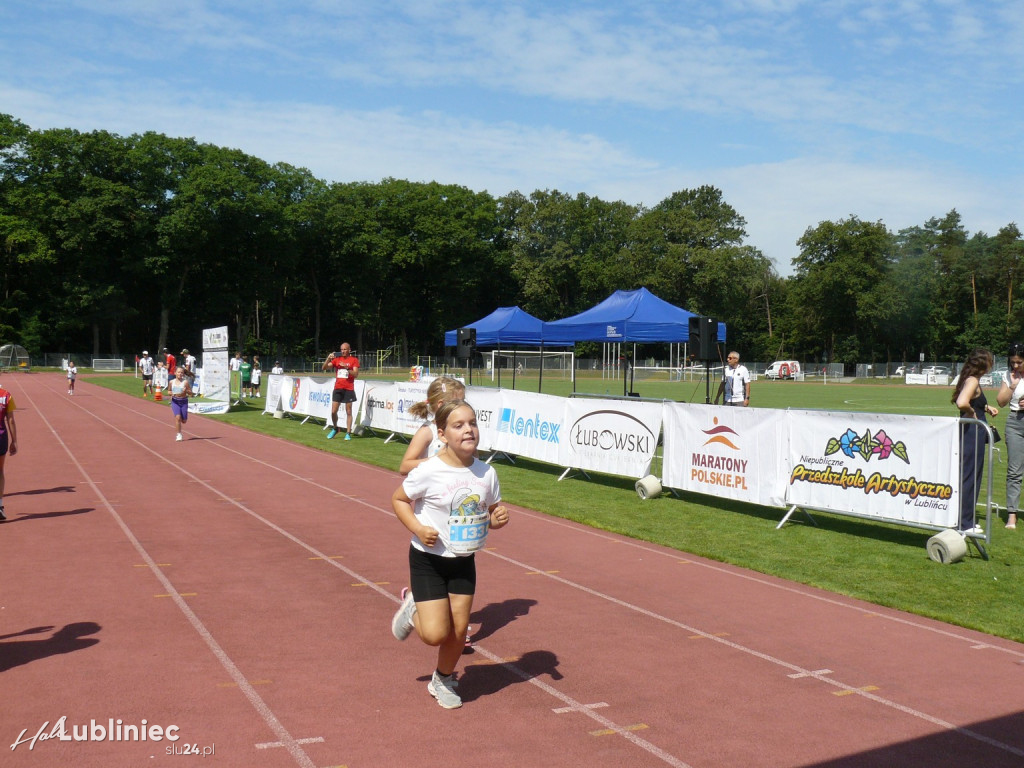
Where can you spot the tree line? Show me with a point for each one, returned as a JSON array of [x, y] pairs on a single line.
[[118, 243]]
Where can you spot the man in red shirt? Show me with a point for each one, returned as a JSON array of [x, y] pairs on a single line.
[[172, 364], [346, 369], [8, 438]]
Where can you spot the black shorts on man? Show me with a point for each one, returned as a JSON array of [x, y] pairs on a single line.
[[343, 396]]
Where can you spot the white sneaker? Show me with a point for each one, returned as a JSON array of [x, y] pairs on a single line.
[[443, 688], [178, 438], [976, 531], [401, 624]]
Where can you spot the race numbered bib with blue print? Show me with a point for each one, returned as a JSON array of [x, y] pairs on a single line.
[[467, 533]]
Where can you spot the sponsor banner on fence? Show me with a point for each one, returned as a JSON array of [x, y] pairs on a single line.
[[275, 385], [312, 397], [379, 403], [194, 407], [407, 394], [530, 425], [386, 406], [618, 437], [902, 468], [307, 397], [487, 403], [734, 453]]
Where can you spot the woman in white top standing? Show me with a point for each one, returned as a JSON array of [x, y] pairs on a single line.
[[1010, 393]]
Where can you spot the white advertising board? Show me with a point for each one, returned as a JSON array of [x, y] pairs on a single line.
[[903, 468], [617, 437], [379, 403], [487, 402], [530, 425], [311, 397], [734, 453]]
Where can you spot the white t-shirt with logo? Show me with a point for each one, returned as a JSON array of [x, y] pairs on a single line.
[[455, 502], [736, 380]]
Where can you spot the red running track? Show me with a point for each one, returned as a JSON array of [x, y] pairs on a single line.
[[241, 588]]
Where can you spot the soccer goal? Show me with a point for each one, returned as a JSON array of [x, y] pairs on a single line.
[[558, 365], [655, 373], [108, 364]]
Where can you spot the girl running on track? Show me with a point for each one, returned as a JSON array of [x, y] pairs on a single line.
[[72, 375], [448, 503], [425, 442], [8, 438], [181, 391]]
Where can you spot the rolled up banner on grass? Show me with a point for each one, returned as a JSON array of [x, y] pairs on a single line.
[[948, 546]]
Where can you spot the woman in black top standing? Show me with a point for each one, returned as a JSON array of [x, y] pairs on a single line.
[[969, 398]]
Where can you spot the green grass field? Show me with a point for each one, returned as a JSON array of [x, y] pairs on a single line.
[[881, 563]]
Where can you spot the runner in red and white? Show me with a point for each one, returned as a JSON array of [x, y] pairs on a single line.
[[346, 369]]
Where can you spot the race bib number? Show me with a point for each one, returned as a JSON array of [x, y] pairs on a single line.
[[467, 533], [343, 373]]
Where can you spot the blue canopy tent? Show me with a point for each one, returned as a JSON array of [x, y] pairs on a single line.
[[508, 326], [505, 325], [637, 316]]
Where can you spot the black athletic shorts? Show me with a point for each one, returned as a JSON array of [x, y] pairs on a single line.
[[433, 577], [3, 444], [343, 396]]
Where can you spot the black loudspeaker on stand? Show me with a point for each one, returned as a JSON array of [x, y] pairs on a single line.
[[704, 347], [465, 342], [465, 346], [704, 339]]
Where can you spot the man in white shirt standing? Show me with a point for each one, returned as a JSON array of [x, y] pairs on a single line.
[[147, 368], [190, 363], [735, 382]]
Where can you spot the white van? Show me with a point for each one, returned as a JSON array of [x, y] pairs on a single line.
[[783, 369]]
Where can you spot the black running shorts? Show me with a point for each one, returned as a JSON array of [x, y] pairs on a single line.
[[433, 577]]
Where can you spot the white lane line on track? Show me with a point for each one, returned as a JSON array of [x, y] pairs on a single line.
[[279, 730], [816, 675], [621, 603], [736, 572], [261, 707]]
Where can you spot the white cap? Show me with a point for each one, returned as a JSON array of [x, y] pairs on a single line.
[[145, 352]]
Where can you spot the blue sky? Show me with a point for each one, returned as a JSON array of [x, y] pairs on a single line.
[[798, 110]]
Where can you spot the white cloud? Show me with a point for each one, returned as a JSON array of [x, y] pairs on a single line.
[[799, 111]]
